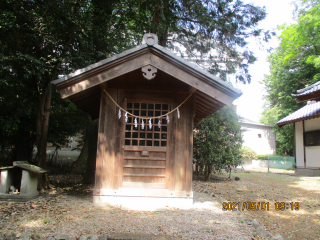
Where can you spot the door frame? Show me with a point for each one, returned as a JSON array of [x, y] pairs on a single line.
[[122, 145]]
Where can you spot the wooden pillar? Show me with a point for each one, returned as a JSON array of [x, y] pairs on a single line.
[[181, 144], [172, 143], [106, 146], [189, 142], [181, 134], [119, 135]]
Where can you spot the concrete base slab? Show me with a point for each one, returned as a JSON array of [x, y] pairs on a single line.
[[18, 197], [146, 208], [147, 203], [307, 172]]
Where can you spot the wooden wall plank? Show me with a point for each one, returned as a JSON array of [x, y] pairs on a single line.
[[189, 144], [119, 131], [122, 130], [180, 145], [171, 143], [101, 142], [106, 152]]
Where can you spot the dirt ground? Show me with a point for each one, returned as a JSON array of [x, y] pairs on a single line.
[[254, 186], [278, 186]]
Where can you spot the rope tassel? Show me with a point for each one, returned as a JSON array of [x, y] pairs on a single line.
[[135, 123], [119, 114]]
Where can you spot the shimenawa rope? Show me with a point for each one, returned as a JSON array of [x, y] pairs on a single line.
[[146, 117]]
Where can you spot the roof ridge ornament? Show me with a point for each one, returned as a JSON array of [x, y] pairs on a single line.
[[150, 39]]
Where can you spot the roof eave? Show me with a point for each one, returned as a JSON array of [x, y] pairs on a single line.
[[296, 120], [200, 72]]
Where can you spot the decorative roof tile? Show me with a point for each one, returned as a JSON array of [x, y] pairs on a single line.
[[311, 110]]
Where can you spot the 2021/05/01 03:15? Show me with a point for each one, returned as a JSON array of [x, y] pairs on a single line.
[[256, 206]]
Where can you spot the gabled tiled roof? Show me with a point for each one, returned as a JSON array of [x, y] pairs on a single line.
[[163, 50], [311, 110], [311, 89]]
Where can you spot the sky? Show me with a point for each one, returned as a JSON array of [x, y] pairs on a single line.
[[250, 104]]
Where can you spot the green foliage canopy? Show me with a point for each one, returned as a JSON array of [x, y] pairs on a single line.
[[294, 65], [193, 28]]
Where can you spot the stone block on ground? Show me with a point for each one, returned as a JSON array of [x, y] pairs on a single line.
[[18, 234], [8, 234], [93, 237], [64, 237], [255, 224], [277, 236], [268, 234], [35, 236], [24, 236], [83, 237], [103, 237], [260, 231], [11, 237]]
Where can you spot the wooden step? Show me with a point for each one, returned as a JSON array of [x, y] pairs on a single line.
[[143, 166], [145, 158], [143, 175], [143, 185]]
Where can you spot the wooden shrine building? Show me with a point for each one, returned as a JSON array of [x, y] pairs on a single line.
[[148, 154]]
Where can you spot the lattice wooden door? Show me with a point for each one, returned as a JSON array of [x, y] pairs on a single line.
[[145, 149]]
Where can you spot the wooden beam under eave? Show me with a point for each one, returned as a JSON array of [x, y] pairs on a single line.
[[192, 89], [208, 98], [148, 88], [86, 98], [202, 112], [197, 120], [205, 105]]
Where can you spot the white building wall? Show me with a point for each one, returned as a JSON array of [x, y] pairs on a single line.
[[266, 144], [312, 124], [312, 152], [299, 144]]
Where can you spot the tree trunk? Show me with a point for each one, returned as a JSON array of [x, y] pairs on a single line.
[[89, 176], [159, 24], [78, 165], [208, 172], [42, 125], [197, 169], [22, 145]]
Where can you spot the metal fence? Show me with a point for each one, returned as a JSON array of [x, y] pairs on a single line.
[[281, 162]]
